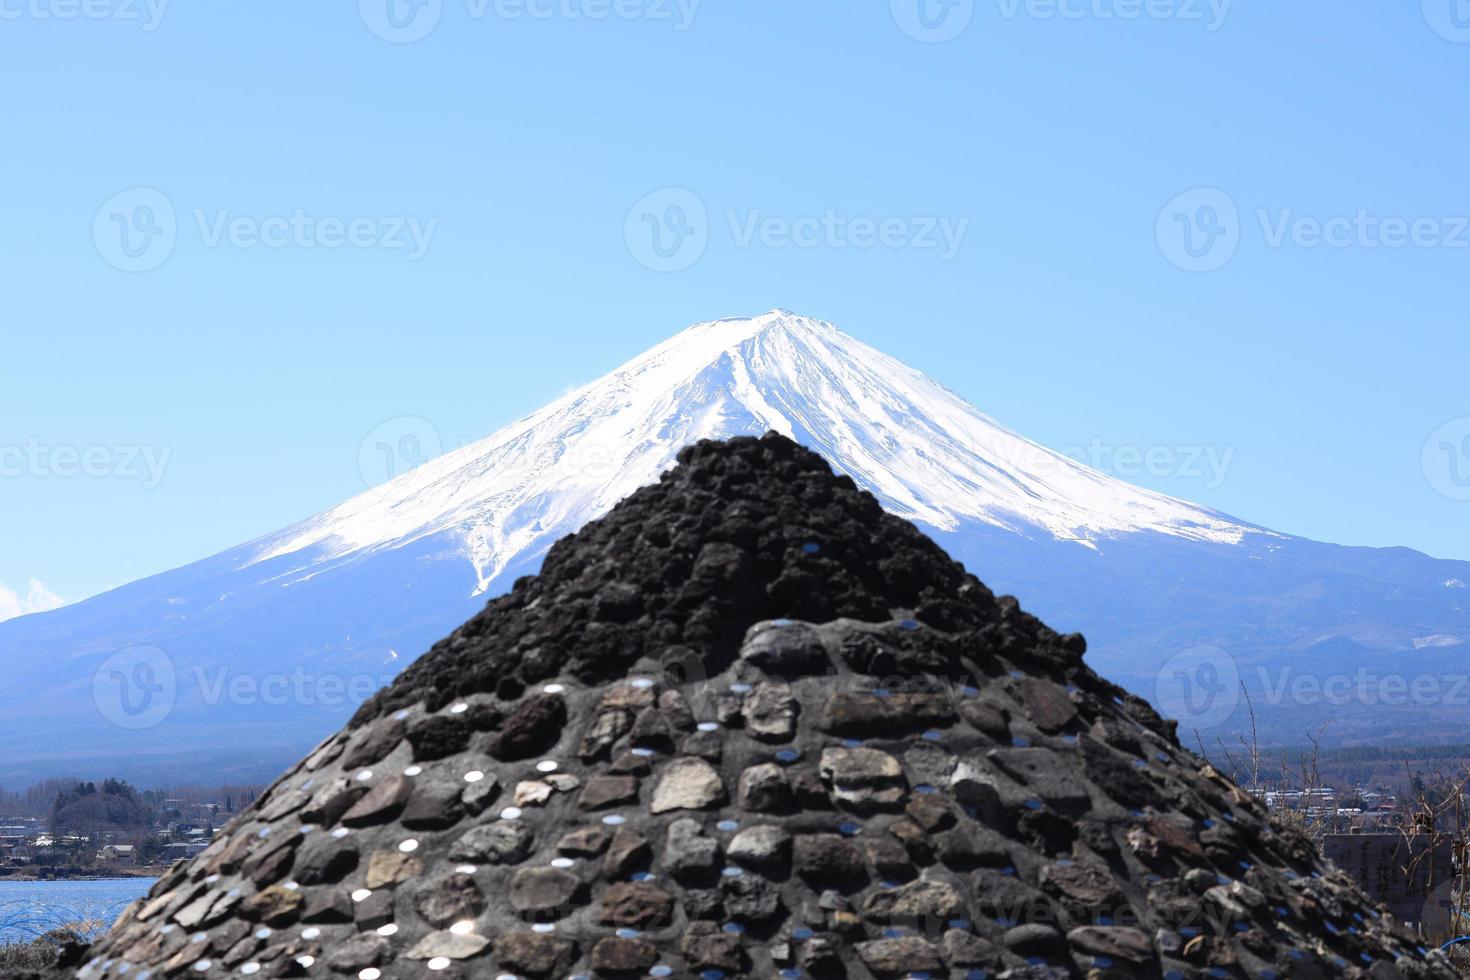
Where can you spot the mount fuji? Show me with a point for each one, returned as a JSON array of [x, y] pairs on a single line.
[[234, 665]]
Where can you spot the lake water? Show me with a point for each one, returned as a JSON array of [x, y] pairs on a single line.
[[29, 908]]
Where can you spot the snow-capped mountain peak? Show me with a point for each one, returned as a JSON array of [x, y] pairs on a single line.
[[926, 453]]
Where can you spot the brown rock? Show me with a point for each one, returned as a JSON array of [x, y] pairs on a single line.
[[535, 954], [534, 728], [629, 852], [276, 906], [637, 905], [1049, 706], [584, 843], [382, 803], [621, 956], [391, 867], [602, 792]]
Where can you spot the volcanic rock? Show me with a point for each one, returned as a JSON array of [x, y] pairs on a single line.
[[750, 723]]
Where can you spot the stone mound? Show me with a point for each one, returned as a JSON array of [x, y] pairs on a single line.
[[749, 725]]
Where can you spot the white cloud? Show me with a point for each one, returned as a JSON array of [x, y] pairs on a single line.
[[37, 598]]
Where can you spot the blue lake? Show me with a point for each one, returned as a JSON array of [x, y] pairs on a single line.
[[29, 908]]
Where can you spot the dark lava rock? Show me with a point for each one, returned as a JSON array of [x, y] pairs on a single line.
[[535, 954], [755, 725], [535, 727]]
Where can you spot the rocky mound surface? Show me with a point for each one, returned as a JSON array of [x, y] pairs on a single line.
[[749, 725]]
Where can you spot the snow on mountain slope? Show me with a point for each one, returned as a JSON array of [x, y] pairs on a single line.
[[926, 453]]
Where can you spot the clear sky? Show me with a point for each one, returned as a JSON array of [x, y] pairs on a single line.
[[198, 333]]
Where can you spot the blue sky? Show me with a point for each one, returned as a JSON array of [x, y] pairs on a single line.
[[330, 223]]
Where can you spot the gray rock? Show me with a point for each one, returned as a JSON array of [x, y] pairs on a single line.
[[764, 789], [895, 957], [544, 892], [1116, 942], [770, 712], [448, 899], [765, 848], [502, 842], [451, 945], [863, 779], [357, 953], [928, 900], [688, 854], [788, 649]]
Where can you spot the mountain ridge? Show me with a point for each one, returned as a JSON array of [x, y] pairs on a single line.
[[758, 367], [350, 596]]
